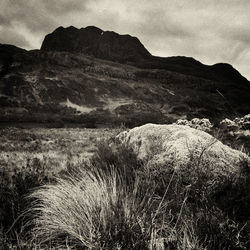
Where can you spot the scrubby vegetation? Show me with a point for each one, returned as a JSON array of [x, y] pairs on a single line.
[[114, 202], [234, 133], [15, 186]]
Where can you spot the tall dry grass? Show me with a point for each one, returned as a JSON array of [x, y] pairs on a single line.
[[93, 208]]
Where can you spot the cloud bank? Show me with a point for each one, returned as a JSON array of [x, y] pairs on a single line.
[[211, 31]]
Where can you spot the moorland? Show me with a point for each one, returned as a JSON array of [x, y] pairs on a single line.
[[77, 169]]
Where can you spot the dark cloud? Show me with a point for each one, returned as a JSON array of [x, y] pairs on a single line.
[[35, 18], [9, 36], [39, 16], [4, 21], [210, 30], [168, 26]]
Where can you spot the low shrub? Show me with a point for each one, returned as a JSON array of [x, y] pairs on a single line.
[[15, 186], [93, 209]]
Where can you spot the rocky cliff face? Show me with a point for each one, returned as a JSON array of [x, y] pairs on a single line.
[[96, 42]]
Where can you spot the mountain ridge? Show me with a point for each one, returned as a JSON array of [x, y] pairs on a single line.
[[79, 76], [128, 49]]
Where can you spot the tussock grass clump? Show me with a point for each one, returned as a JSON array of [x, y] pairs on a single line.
[[93, 208]]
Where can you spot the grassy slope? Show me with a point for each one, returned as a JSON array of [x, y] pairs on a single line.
[[41, 85]]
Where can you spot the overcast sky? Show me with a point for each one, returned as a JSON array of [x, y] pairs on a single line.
[[211, 31]]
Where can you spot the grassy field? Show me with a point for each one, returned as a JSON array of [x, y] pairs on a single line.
[[54, 148], [34, 156], [96, 194]]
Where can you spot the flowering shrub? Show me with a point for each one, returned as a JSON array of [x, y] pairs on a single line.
[[201, 124]]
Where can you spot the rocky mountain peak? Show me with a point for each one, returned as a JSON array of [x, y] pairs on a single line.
[[94, 41]]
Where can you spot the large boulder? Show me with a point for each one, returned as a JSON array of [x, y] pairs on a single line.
[[178, 145]]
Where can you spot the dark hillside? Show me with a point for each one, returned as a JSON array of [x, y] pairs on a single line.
[[95, 78]]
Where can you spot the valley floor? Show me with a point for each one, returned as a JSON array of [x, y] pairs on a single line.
[[52, 148], [185, 208]]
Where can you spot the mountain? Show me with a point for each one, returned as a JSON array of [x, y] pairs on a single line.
[[97, 77], [96, 42], [127, 49], [6, 57]]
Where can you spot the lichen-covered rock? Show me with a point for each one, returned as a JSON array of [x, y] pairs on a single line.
[[177, 145]]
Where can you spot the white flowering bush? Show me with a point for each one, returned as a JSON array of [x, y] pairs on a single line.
[[227, 124], [202, 124], [237, 124], [243, 122], [182, 122]]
